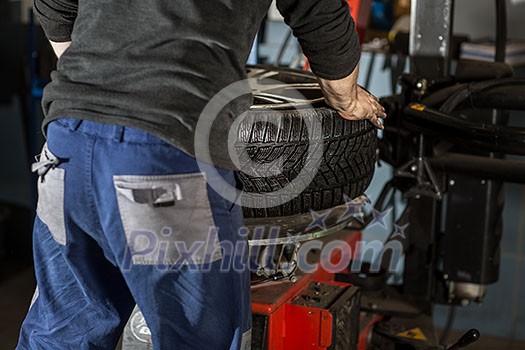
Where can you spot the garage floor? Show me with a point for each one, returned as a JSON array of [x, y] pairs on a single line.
[[16, 292]]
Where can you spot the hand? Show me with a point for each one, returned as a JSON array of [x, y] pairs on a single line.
[[365, 106], [351, 101]]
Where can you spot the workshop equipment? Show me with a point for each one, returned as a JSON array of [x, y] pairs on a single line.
[[360, 11], [297, 311], [449, 166], [316, 312]]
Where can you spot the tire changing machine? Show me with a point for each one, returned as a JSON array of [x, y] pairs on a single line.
[[293, 309]]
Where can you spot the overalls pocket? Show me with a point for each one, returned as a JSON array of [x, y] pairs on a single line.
[[167, 219]]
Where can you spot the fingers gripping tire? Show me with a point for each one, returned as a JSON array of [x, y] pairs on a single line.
[[346, 167]]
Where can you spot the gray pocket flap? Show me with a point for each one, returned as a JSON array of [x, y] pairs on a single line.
[[166, 218]]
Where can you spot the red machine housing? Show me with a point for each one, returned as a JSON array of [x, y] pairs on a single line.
[[314, 313], [360, 12]]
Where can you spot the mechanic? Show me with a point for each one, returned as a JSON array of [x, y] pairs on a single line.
[[118, 181]]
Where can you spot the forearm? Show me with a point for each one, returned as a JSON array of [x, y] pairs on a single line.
[[59, 48], [327, 35], [341, 92]]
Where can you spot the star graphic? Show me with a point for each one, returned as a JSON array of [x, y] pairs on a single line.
[[400, 231], [354, 209], [318, 220], [379, 217]]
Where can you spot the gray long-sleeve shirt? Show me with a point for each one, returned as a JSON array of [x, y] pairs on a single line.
[[155, 64]]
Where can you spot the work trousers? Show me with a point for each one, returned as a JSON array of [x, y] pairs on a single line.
[[124, 218]]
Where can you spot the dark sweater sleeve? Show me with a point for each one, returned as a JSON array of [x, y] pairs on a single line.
[[327, 35], [57, 18]]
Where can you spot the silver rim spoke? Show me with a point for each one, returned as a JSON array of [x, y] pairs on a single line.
[[280, 95]]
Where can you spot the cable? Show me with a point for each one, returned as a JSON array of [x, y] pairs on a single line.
[[448, 326], [370, 70], [282, 48], [501, 30], [466, 90]]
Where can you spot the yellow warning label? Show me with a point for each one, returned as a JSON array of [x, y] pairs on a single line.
[[414, 333], [418, 107]]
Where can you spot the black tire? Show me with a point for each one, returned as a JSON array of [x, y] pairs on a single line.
[[346, 167]]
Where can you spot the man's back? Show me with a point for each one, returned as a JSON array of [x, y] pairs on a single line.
[[152, 64]]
